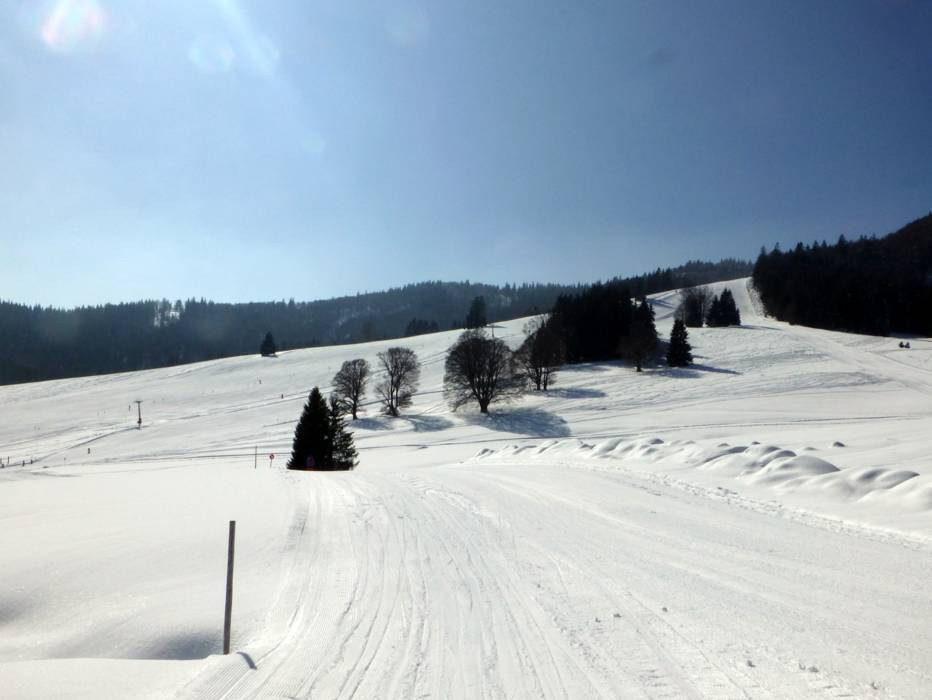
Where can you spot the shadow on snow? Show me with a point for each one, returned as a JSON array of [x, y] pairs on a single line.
[[195, 644], [531, 422], [691, 372], [571, 393], [419, 423]]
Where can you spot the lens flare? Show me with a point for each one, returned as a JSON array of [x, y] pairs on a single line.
[[73, 24], [211, 54], [259, 53], [265, 55]]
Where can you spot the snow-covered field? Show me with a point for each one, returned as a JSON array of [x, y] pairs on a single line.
[[758, 525]]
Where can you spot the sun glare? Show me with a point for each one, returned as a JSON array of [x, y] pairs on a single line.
[[72, 24]]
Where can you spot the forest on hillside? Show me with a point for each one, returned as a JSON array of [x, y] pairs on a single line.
[[870, 285], [47, 343]]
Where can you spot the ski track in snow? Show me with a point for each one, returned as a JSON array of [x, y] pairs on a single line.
[[773, 543], [467, 581]]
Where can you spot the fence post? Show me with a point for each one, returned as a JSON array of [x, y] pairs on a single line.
[[228, 608]]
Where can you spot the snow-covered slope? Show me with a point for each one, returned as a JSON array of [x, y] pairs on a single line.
[[757, 525]]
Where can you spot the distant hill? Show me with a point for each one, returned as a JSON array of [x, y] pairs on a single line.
[[46, 343], [872, 285]]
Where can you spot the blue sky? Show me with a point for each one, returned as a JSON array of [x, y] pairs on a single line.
[[244, 150]]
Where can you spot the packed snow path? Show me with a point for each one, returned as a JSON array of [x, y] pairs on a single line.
[[493, 580], [757, 525]]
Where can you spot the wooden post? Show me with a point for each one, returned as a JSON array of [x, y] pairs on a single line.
[[228, 608], [255, 458]]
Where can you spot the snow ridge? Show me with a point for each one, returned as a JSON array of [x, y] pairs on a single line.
[[757, 465]]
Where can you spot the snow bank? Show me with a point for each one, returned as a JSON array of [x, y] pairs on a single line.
[[755, 464]]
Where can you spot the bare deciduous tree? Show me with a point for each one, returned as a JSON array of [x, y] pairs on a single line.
[[402, 373], [481, 369], [694, 306], [349, 384], [541, 353]]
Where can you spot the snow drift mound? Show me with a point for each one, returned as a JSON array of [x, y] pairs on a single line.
[[768, 466]]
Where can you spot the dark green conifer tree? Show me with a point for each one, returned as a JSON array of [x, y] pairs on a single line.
[[723, 311], [476, 318], [679, 351], [344, 451], [729, 310], [312, 447], [267, 349], [713, 318], [641, 339]]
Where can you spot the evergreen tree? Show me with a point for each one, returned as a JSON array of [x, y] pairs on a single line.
[[476, 318], [713, 317], [368, 331], [641, 338], [679, 351], [592, 324], [723, 311], [344, 451], [869, 285], [419, 326], [312, 447], [730, 314], [267, 349]]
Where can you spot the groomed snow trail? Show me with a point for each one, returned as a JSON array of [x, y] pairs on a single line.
[[495, 580]]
